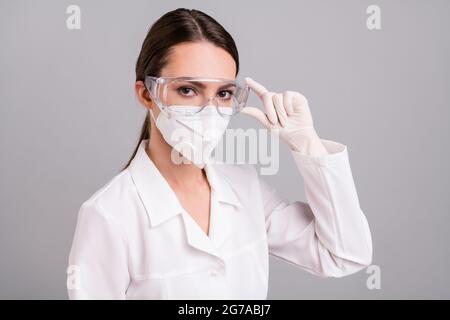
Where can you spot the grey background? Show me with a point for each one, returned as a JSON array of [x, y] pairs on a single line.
[[69, 121]]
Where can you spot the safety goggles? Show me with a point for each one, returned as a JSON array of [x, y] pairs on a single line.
[[190, 95]]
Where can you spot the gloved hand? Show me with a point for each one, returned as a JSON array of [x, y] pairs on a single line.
[[287, 114]]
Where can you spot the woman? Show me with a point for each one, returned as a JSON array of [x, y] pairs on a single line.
[[191, 229]]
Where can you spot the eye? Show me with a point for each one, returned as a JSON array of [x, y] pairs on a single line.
[[223, 94], [185, 91]]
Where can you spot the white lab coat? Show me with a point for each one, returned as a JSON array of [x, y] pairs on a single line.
[[133, 239]]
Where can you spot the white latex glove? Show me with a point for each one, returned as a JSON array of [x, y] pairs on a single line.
[[287, 114]]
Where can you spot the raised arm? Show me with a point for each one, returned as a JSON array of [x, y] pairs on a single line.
[[328, 235]]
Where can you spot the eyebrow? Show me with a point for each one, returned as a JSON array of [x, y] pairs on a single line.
[[201, 85]]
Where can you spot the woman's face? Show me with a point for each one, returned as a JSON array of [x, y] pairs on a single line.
[[198, 59]]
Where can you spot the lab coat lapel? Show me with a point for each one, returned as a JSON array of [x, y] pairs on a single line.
[[158, 198], [196, 237], [224, 205], [161, 202]]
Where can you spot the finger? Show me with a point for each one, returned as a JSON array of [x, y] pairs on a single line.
[[299, 102], [266, 97], [257, 114], [269, 108], [300, 105], [259, 89], [279, 107], [287, 101]]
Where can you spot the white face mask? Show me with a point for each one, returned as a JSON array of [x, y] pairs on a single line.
[[194, 136]]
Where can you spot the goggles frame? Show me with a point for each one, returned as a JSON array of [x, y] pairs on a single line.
[[153, 85]]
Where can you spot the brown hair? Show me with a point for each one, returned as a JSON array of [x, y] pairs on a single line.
[[175, 27]]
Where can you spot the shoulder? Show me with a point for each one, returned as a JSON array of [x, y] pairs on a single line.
[[109, 199]]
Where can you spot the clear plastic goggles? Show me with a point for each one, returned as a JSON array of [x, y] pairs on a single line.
[[190, 95]]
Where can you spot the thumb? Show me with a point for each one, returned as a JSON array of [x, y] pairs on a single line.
[[257, 114]]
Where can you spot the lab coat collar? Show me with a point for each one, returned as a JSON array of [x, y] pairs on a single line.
[[221, 187], [159, 200]]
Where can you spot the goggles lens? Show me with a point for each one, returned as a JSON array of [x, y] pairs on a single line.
[[227, 96]]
